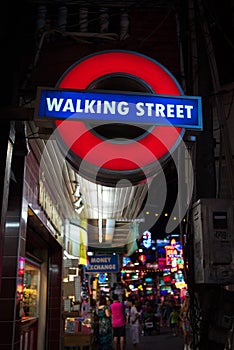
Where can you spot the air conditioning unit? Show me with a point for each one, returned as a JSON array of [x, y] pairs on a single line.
[[213, 239]]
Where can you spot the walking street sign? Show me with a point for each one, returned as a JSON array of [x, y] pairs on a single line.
[[180, 111]]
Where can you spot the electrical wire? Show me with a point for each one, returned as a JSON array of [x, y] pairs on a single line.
[[86, 37], [147, 37], [215, 20]]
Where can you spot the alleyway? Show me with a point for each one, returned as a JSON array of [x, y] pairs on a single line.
[[163, 341]]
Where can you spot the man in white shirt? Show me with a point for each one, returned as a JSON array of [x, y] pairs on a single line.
[[134, 324]]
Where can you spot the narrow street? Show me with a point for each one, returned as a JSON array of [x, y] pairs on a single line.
[[163, 341]]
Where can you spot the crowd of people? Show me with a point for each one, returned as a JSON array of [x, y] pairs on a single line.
[[112, 316]]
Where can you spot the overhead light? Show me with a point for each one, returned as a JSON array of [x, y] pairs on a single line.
[[79, 210], [78, 202], [12, 224], [110, 229], [100, 229], [68, 256], [77, 191]]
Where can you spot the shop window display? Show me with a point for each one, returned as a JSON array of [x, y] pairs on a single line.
[[31, 289]]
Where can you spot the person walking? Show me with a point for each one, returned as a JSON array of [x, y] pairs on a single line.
[[118, 322], [148, 319], [104, 325], [134, 324], [174, 321], [185, 323]]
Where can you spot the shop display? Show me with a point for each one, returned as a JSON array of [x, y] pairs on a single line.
[[31, 289], [78, 331]]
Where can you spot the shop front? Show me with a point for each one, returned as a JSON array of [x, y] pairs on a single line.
[[41, 299], [30, 304], [31, 253]]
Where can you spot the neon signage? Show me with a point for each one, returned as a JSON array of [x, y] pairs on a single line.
[[174, 257], [147, 242], [164, 109], [102, 277], [182, 111]]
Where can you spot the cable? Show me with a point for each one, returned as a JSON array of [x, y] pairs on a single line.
[[215, 20], [155, 29]]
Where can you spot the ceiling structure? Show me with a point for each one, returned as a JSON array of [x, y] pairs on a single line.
[[110, 211], [114, 214]]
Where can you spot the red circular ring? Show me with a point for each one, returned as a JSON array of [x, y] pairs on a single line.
[[123, 157]]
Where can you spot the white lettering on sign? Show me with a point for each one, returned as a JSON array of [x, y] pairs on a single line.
[[100, 260], [122, 108], [102, 267], [161, 110], [102, 263], [90, 106]]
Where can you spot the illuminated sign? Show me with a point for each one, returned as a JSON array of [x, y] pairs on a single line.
[[160, 114], [165, 290], [180, 285], [174, 257], [147, 242], [126, 261], [102, 277], [103, 263], [142, 258], [162, 242], [162, 103], [161, 263], [182, 111], [148, 279]]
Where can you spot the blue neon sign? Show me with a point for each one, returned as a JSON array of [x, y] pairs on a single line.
[[179, 111]]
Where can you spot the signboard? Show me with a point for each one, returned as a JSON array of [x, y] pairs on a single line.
[[161, 263], [174, 257], [103, 263], [160, 112], [181, 111], [102, 277], [147, 242]]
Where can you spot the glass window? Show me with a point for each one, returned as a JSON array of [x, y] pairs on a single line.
[[31, 289]]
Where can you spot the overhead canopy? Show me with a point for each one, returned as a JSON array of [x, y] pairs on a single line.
[[111, 212]]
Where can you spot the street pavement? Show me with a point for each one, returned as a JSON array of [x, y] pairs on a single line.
[[163, 341]]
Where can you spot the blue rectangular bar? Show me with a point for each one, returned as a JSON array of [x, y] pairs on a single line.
[[179, 111]]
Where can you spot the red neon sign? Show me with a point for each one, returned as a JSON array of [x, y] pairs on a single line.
[[85, 145]]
